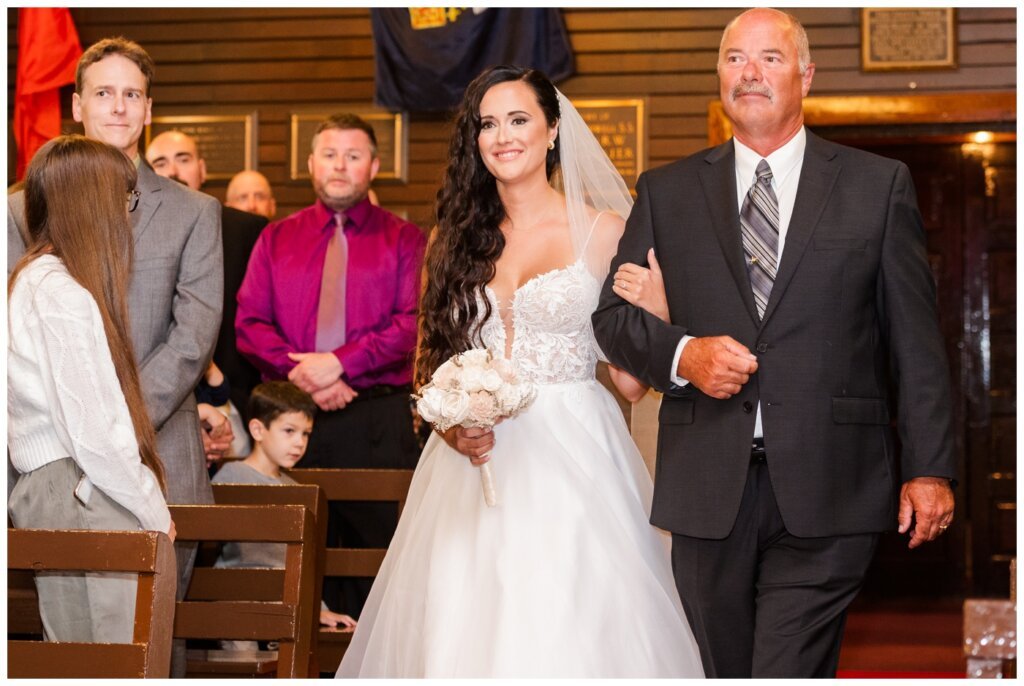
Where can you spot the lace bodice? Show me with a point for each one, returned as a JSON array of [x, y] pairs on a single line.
[[546, 329]]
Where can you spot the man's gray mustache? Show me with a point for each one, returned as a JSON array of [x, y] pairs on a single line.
[[749, 89]]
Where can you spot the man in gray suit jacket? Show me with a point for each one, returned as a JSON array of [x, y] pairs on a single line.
[[776, 471], [176, 292], [176, 155]]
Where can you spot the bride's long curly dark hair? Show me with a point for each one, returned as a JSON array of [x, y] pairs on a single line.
[[467, 240]]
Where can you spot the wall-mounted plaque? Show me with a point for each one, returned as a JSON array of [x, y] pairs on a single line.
[[621, 128], [226, 141], [921, 38], [390, 128]]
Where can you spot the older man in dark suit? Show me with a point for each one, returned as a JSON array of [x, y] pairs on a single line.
[[799, 285]]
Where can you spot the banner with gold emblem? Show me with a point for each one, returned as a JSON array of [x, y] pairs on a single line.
[[426, 56]]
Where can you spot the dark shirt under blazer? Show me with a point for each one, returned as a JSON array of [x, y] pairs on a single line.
[[240, 231]]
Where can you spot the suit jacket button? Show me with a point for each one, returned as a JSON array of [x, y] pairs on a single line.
[[762, 347], [748, 407]]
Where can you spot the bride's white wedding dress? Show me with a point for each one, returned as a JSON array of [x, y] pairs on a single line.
[[565, 577]]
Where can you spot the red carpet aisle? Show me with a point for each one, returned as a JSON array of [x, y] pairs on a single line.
[[911, 642]]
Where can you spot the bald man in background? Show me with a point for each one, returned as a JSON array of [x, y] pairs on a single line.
[[176, 155], [250, 191]]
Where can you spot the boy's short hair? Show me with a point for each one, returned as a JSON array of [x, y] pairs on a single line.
[[271, 399]]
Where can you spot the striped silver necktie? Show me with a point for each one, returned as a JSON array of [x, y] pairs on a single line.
[[759, 225]]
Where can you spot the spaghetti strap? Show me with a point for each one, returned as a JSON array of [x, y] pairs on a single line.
[[590, 232]]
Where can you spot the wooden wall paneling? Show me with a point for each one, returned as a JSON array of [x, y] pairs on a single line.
[[109, 16], [262, 50], [198, 27], [274, 59]]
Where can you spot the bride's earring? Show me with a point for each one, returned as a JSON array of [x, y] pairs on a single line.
[[551, 145]]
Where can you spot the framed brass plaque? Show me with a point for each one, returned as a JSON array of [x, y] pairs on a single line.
[[620, 126], [390, 128], [901, 39], [226, 141]]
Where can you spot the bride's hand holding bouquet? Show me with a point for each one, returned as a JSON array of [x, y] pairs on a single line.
[[473, 390]]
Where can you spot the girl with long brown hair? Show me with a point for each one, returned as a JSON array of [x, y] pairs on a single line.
[[78, 432]]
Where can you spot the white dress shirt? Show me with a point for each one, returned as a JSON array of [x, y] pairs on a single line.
[[785, 163]]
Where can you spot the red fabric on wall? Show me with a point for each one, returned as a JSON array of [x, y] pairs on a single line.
[[48, 52]]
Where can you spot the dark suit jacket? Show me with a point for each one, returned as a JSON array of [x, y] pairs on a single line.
[[853, 305], [240, 231]]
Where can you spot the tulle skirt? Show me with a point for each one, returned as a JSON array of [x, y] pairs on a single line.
[[565, 577]]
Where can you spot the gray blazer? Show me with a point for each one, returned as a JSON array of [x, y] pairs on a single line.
[[853, 307], [174, 304]]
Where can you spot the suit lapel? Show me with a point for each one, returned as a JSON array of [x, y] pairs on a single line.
[[718, 180], [149, 186], [817, 179]]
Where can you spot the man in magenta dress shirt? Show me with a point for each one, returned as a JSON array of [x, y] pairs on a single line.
[[359, 372]]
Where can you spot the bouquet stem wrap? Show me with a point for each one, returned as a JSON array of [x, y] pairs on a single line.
[[487, 483], [474, 389]]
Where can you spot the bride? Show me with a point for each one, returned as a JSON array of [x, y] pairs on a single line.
[[565, 577]]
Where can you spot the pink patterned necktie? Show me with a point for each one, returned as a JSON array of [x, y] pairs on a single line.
[[330, 315]]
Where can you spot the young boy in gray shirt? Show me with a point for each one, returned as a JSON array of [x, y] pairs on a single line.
[[281, 421]]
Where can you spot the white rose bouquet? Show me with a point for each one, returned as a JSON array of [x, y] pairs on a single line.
[[474, 389]]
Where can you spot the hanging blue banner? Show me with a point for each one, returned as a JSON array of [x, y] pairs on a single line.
[[426, 56]]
